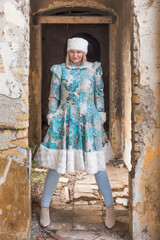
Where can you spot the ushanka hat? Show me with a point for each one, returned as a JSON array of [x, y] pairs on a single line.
[[77, 44]]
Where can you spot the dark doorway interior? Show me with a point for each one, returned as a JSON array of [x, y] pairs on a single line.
[[54, 39]]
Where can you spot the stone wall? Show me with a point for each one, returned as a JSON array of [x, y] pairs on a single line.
[[145, 180], [14, 120]]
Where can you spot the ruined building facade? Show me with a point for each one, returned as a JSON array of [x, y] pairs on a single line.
[[126, 36]]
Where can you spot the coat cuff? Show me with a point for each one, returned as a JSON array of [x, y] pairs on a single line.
[[49, 118], [103, 116]]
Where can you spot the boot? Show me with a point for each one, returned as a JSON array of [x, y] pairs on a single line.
[[44, 216], [110, 217]]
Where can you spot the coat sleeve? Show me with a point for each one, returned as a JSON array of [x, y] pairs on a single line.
[[55, 89], [99, 91]]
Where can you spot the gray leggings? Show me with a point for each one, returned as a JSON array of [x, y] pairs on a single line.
[[52, 181]]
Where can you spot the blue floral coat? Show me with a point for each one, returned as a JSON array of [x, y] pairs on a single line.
[[76, 139]]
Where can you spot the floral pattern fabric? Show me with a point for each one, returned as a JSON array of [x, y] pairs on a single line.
[[76, 137]]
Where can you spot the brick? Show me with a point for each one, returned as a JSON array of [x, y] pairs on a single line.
[[136, 147], [138, 118], [122, 201], [136, 99], [87, 210], [136, 155], [135, 129]]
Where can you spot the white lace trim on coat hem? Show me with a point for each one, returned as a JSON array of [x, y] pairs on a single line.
[[67, 161]]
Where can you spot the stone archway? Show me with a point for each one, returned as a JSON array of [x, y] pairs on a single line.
[[115, 86]]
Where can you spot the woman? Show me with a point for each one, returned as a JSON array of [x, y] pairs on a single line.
[[76, 139]]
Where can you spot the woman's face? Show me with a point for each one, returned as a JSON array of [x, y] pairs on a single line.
[[76, 56]]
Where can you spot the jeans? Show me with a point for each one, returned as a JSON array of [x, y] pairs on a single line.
[[52, 181]]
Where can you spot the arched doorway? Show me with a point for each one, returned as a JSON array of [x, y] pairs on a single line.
[[53, 29]]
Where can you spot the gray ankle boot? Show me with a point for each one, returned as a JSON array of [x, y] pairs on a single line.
[[44, 216], [110, 217]]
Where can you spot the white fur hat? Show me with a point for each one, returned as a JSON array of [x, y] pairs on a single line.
[[78, 44]]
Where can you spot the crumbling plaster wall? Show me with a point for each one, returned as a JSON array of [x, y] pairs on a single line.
[[14, 120], [145, 175]]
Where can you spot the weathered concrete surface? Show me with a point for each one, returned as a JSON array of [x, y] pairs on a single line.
[[14, 201], [145, 180], [14, 120]]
